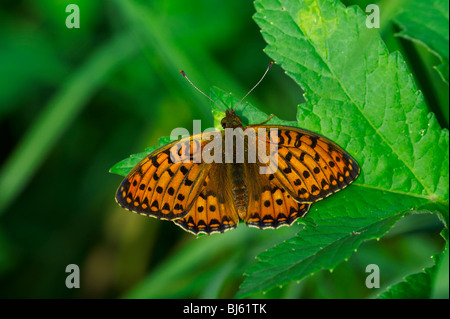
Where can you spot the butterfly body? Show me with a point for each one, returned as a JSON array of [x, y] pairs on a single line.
[[239, 188], [212, 197], [237, 170]]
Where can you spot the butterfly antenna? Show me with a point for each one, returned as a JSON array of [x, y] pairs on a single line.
[[184, 74], [267, 70]]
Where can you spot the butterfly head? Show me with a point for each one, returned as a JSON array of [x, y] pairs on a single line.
[[231, 120]]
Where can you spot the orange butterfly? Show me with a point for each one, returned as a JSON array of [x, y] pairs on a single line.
[[203, 197]]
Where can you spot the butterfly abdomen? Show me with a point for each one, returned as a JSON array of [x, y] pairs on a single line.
[[239, 188]]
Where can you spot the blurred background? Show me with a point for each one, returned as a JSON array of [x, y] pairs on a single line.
[[73, 102]]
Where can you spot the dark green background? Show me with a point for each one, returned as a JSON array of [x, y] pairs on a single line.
[[73, 102]]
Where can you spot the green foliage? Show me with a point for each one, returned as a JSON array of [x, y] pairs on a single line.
[[313, 41], [426, 22], [59, 112], [417, 286], [441, 276], [363, 98], [75, 101], [127, 164], [432, 282]]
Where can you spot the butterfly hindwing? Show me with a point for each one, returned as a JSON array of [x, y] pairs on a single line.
[[270, 205], [214, 209]]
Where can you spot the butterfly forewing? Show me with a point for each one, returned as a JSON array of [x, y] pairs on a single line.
[[165, 183], [310, 167]]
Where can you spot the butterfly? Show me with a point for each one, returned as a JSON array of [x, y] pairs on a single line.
[[213, 196]]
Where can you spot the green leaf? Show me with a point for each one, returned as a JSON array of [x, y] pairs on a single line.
[[432, 282], [364, 98], [126, 165], [427, 23], [440, 285], [416, 286]]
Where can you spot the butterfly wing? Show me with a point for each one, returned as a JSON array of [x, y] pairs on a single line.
[[310, 167], [214, 209], [270, 205], [306, 167], [166, 183]]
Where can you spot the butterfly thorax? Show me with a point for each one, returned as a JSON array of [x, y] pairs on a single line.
[[231, 120]]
